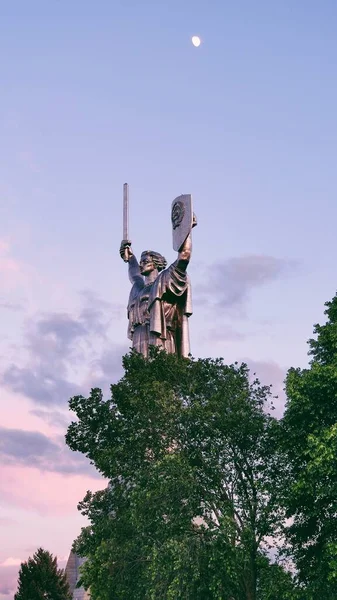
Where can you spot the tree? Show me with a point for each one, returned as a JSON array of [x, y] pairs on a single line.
[[194, 468], [277, 583], [40, 579], [310, 427]]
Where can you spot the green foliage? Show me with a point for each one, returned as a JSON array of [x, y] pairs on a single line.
[[324, 348], [277, 583], [310, 426], [195, 473], [40, 579]]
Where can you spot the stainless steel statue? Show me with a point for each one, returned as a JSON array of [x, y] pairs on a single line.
[[160, 298]]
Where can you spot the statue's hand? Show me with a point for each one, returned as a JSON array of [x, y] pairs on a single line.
[[194, 221], [125, 250]]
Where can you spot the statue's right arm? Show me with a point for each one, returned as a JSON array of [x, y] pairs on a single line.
[[134, 271], [128, 256]]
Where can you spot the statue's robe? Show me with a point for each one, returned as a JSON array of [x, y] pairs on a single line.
[[158, 312]]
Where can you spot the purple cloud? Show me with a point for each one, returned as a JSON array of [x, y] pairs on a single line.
[[228, 284], [57, 345], [34, 449]]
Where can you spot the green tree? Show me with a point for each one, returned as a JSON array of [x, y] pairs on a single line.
[[277, 583], [40, 579], [310, 426], [195, 472]]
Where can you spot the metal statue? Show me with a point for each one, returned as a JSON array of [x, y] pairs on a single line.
[[160, 298]]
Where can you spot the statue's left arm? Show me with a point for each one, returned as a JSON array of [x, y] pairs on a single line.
[[184, 254]]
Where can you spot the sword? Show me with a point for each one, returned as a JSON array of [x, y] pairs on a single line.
[[125, 211], [126, 217]]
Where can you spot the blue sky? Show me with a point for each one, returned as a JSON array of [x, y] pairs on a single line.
[[96, 94]]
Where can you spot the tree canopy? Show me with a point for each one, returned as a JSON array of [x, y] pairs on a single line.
[[195, 469], [310, 434]]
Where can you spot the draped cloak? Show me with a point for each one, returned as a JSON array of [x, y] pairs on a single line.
[[158, 312]]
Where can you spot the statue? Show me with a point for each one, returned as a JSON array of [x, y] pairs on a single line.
[[160, 298]]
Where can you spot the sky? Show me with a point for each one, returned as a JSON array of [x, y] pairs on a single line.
[[95, 94]]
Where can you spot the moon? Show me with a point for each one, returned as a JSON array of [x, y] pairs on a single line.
[[196, 41]]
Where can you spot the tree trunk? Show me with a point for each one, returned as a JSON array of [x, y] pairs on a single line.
[[251, 577]]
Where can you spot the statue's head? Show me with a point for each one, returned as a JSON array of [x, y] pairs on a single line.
[[149, 261]]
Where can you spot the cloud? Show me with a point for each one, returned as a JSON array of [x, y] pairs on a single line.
[[108, 367], [59, 330], [61, 348], [98, 314], [19, 447], [22, 444], [229, 283], [43, 492], [11, 562], [39, 384], [52, 417], [8, 581]]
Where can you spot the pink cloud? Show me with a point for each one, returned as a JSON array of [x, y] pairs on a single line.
[[44, 493], [8, 581], [45, 507], [16, 413], [11, 562]]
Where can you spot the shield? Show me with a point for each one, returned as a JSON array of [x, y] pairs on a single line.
[[182, 218]]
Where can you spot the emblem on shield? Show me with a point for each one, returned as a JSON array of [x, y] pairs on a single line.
[[178, 211]]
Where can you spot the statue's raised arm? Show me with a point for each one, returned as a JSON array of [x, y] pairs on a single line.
[[184, 254], [128, 256]]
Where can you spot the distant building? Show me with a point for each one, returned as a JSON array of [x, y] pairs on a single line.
[[72, 572]]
